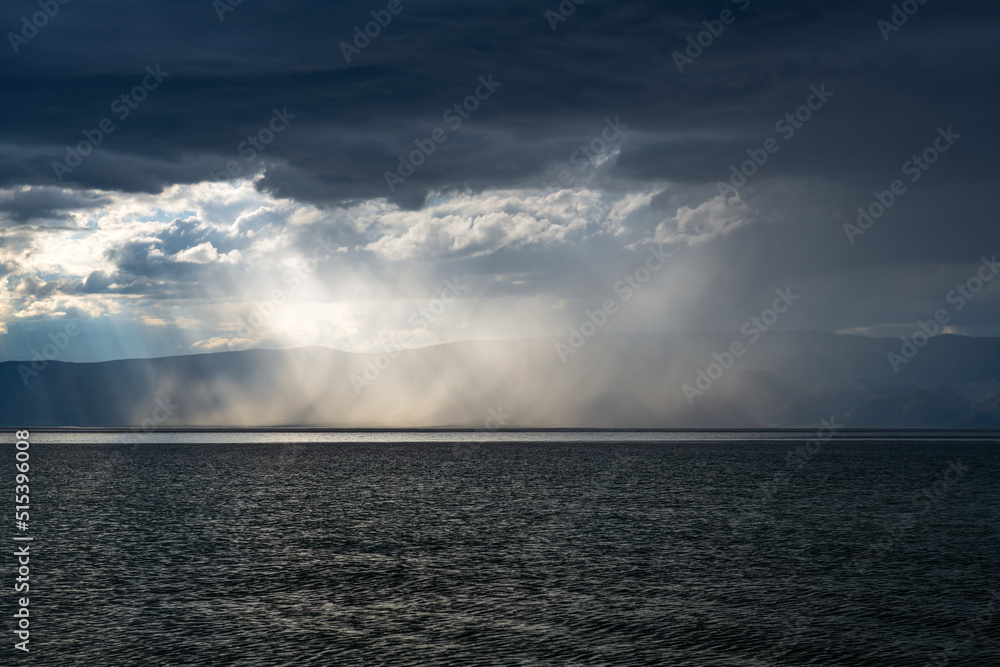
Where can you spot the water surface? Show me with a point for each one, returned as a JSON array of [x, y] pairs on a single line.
[[479, 548]]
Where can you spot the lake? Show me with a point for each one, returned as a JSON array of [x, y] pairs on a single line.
[[511, 548]]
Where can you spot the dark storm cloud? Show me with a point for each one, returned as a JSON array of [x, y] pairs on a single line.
[[45, 205], [557, 86]]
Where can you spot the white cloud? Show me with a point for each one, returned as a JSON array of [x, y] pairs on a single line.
[[218, 343], [711, 219], [474, 224], [156, 246], [205, 253]]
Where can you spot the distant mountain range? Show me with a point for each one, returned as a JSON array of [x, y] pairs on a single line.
[[675, 380]]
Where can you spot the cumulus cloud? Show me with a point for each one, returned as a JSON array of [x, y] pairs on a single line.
[[472, 224], [205, 253], [704, 222]]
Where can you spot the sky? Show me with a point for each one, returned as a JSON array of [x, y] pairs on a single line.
[[196, 177]]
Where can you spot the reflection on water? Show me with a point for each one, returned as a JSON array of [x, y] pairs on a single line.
[[147, 437], [525, 548]]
